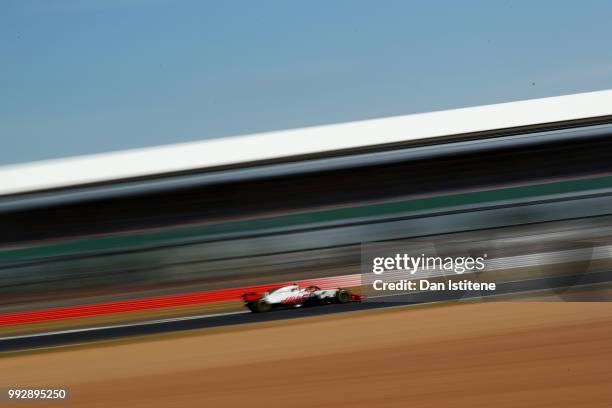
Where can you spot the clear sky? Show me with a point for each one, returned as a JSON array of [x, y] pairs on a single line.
[[81, 76]]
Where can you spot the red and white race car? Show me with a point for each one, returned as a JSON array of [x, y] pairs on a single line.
[[296, 296]]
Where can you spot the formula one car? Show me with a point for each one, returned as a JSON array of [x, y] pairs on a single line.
[[295, 296]]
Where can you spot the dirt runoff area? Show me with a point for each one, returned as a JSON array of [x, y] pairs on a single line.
[[503, 354]]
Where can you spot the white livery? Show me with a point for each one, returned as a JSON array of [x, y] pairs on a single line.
[[296, 296]]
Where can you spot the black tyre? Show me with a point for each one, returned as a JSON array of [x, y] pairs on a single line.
[[343, 296], [260, 306]]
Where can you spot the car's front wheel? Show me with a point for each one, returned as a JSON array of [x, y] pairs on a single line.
[[343, 296]]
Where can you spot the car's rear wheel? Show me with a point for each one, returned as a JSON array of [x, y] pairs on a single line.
[[259, 306], [343, 296]]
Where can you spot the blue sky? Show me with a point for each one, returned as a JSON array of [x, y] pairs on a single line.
[[80, 77]]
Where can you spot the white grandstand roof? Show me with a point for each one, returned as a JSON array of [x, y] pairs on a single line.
[[232, 151]]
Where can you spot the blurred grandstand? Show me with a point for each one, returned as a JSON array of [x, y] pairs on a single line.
[[529, 181]]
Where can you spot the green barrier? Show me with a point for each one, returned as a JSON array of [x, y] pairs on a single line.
[[291, 221]]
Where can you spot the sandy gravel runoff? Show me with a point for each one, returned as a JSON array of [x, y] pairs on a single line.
[[506, 354]]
